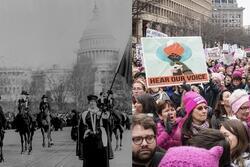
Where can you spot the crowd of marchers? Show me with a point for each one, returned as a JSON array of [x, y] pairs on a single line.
[[204, 125]]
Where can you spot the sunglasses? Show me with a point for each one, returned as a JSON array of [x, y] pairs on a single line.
[[200, 108]]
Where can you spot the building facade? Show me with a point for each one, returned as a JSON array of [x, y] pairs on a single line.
[[172, 17], [247, 29], [13, 81], [227, 14]]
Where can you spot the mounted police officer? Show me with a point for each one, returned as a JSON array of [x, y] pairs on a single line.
[[44, 104], [24, 108], [44, 117], [24, 101], [92, 137]]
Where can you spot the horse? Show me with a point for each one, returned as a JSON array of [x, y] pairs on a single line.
[[26, 127], [117, 121], [1, 145], [44, 123], [2, 126]]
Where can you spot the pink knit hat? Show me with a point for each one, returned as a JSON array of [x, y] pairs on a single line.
[[191, 100], [184, 156], [218, 76], [237, 74], [237, 98]]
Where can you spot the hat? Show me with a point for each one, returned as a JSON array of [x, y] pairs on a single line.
[[44, 96], [24, 92], [237, 98], [218, 76], [237, 75], [184, 156], [92, 97], [191, 100]]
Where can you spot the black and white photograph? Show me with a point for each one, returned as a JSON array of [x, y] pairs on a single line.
[[65, 83]]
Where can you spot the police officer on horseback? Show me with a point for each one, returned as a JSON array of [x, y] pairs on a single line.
[[24, 101], [24, 108], [44, 117], [44, 104]]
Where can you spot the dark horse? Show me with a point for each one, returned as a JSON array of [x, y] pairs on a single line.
[[2, 127], [1, 145], [44, 122], [25, 126], [117, 121]]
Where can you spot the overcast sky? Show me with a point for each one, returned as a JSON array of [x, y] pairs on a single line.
[[40, 33], [246, 12]]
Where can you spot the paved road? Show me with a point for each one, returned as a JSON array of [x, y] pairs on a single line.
[[62, 154]]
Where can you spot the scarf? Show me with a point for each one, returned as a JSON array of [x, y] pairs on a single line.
[[195, 128]]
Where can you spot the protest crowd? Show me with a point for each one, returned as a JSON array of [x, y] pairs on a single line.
[[204, 124]]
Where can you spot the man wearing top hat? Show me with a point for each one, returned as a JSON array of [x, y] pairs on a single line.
[[92, 137]]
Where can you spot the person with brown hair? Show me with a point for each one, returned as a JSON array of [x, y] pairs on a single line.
[[146, 104], [144, 145], [196, 115], [232, 136], [138, 88], [168, 129], [222, 110]]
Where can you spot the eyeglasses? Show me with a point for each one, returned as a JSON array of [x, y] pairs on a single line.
[[244, 108], [138, 140], [200, 108]]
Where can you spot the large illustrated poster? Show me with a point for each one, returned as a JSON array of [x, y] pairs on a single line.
[[173, 60]]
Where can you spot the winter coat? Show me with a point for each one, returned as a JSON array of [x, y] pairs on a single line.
[[166, 140]]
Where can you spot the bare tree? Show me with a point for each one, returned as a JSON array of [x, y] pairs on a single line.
[[82, 82], [59, 90], [138, 6]]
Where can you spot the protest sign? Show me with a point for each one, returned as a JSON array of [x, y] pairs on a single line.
[[225, 48], [173, 60], [213, 53], [138, 53], [154, 33]]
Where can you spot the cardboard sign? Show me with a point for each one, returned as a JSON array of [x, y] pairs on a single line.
[[173, 60]]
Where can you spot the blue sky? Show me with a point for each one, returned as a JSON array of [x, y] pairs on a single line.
[[40, 33]]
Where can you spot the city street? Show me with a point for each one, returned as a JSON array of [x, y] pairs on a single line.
[[61, 154]]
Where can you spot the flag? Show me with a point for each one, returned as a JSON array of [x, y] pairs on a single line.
[[125, 65]]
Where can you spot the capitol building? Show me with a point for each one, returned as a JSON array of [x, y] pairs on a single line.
[[98, 47]]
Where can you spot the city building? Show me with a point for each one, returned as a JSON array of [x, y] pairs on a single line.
[[227, 14], [12, 81], [172, 17], [247, 29]]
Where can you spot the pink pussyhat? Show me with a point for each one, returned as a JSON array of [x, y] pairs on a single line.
[[191, 100], [188, 156]]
